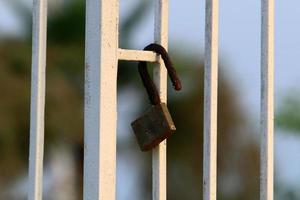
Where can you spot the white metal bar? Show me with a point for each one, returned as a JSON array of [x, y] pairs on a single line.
[[37, 110], [159, 155], [136, 55], [210, 101], [100, 99], [267, 100]]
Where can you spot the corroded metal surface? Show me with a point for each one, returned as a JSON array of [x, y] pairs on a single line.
[[153, 127]]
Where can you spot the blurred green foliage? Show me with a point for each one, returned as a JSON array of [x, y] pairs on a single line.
[[288, 115]]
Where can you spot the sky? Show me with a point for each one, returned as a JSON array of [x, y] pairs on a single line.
[[8, 22]]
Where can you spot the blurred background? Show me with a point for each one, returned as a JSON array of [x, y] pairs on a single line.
[[239, 100]]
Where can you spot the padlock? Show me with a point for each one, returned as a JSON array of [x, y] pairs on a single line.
[[157, 124]]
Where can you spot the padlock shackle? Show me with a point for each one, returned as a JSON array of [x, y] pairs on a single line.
[[146, 79]]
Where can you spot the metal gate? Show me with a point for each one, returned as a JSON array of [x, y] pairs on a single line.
[[102, 55]]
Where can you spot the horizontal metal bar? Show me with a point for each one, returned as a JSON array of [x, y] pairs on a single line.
[[137, 55]]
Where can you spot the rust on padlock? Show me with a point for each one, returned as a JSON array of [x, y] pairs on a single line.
[[153, 127], [156, 125], [146, 79]]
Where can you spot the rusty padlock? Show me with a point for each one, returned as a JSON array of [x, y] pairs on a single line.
[[157, 124]]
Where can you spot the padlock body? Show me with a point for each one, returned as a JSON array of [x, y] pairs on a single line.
[[153, 127]]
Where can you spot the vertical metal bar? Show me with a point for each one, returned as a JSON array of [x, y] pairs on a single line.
[[210, 101], [100, 111], [159, 155], [267, 99], [37, 107]]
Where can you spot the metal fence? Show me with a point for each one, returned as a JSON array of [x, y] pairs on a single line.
[[102, 55]]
